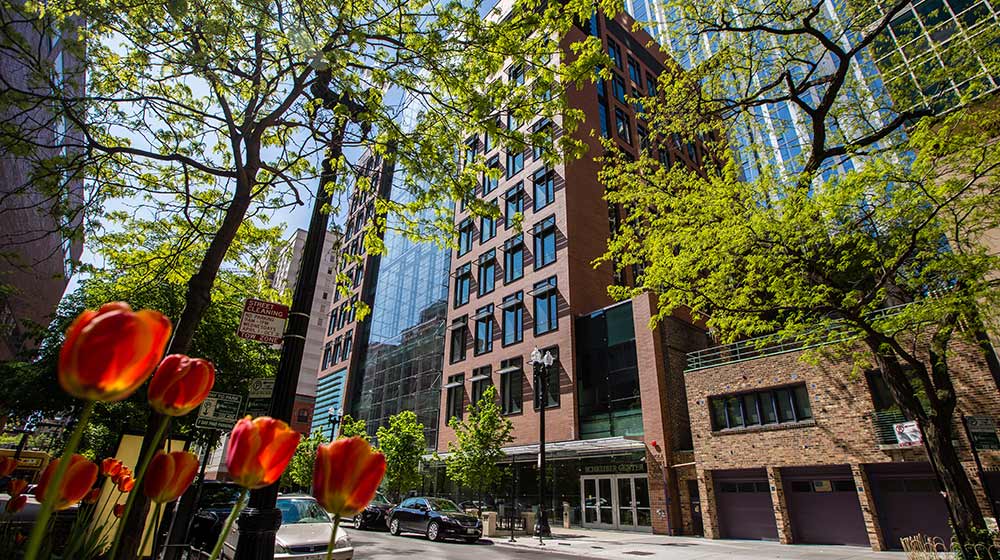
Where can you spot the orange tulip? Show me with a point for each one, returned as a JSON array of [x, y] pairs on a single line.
[[259, 451], [7, 466], [20, 538], [126, 484], [93, 496], [180, 384], [16, 503], [16, 486], [75, 484], [110, 352], [169, 475], [111, 467], [346, 475], [118, 510]]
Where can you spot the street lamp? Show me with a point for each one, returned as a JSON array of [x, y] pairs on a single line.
[[540, 365], [335, 420]]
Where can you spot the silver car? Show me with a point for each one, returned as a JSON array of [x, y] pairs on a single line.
[[304, 533]]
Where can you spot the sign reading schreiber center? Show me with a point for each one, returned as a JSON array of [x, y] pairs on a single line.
[[262, 321]]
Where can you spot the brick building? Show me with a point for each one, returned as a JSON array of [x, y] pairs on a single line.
[[801, 453], [616, 420]]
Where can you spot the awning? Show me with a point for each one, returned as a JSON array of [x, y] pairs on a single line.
[[542, 290], [458, 324], [453, 384], [509, 369], [510, 303], [479, 377], [483, 314], [574, 449]]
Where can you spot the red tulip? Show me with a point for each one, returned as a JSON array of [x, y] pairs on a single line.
[[259, 451], [111, 467], [16, 486], [126, 484], [118, 510], [20, 538], [16, 503], [346, 475], [7, 466], [169, 475], [75, 484], [110, 352], [180, 384], [93, 496]]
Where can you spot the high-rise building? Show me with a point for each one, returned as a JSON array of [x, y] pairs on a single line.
[[618, 443], [389, 361], [40, 235]]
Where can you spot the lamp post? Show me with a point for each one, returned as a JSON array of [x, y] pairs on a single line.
[[335, 420], [540, 365]]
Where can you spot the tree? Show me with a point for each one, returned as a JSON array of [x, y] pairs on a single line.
[[403, 444], [474, 458], [300, 469], [881, 260], [349, 427]]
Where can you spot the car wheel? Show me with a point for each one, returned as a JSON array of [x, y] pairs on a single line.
[[394, 526], [359, 522], [471, 540], [434, 531]]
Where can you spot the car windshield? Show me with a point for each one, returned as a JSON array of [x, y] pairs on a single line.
[[215, 495], [380, 499], [301, 510], [446, 506]]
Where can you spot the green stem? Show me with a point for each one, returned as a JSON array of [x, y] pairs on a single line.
[[150, 530], [140, 472], [42, 521], [237, 508], [333, 536]]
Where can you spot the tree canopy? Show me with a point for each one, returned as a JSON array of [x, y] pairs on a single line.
[[403, 444], [475, 458]]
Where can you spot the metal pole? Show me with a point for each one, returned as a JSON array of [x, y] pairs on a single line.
[[541, 382], [184, 511], [512, 510]]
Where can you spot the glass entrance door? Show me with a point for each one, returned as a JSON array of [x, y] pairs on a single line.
[[616, 502], [598, 501]]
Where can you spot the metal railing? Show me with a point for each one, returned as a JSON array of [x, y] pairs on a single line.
[[882, 422]]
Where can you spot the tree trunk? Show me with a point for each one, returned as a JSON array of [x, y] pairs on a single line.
[[196, 302]]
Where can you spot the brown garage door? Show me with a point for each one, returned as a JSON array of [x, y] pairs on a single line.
[[743, 500], [909, 502], [823, 506]]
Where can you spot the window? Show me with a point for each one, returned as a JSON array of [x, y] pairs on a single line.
[[516, 74], [633, 72], [643, 136], [512, 326], [343, 314], [545, 189], [543, 132], [546, 306], [463, 281], [470, 150], [354, 308], [650, 85], [545, 242], [490, 183], [618, 87], [602, 107], [482, 379], [551, 380], [303, 415], [515, 161], [464, 237], [456, 396], [331, 327], [511, 390], [336, 351], [484, 329], [774, 406], [487, 228], [327, 356], [459, 341], [487, 272], [513, 259], [346, 352], [615, 53], [622, 126], [514, 204]]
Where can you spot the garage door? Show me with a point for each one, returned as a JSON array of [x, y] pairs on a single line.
[[909, 502], [743, 499], [823, 506]]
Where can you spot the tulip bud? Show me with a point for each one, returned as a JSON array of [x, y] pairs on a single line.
[[20, 538], [7, 466], [16, 486], [346, 475], [75, 484], [126, 484], [110, 352], [93, 496], [16, 503], [180, 384], [169, 475], [118, 510], [111, 467], [259, 451]]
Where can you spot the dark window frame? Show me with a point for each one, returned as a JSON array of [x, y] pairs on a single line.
[[483, 345], [511, 247], [761, 408], [512, 387], [542, 231], [551, 301], [512, 319]]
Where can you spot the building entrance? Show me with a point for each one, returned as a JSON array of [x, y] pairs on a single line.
[[616, 502]]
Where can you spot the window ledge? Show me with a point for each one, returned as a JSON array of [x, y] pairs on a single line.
[[767, 428]]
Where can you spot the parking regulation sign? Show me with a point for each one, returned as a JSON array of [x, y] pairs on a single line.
[[219, 411], [263, 321]]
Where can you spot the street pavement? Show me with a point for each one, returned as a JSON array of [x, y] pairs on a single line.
[[599, 545]]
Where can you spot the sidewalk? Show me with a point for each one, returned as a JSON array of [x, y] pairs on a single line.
[[592, 543]]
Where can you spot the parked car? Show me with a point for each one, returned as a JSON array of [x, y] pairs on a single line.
[[375, 515], [216, 501], [437, 518], [304, 533]]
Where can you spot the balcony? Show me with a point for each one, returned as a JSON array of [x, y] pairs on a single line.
[[882, 423]]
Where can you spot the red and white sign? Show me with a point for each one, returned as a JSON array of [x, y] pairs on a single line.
[[262, 321], [908, 434]]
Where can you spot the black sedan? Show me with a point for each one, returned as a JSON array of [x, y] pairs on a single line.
[[437, 518], [375, 514]]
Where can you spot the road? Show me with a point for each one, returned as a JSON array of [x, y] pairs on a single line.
[[380, 545]]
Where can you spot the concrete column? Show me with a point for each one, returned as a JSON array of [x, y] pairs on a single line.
[[868, 508], [709, 514], [781, 516]]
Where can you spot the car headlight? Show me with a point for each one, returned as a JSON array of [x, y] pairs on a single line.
[[279, 549], [447, 519], [343, 541]]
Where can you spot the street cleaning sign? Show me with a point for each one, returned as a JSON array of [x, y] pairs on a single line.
[[908, 434], [262, 321], [259, 396], [219, 411]]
